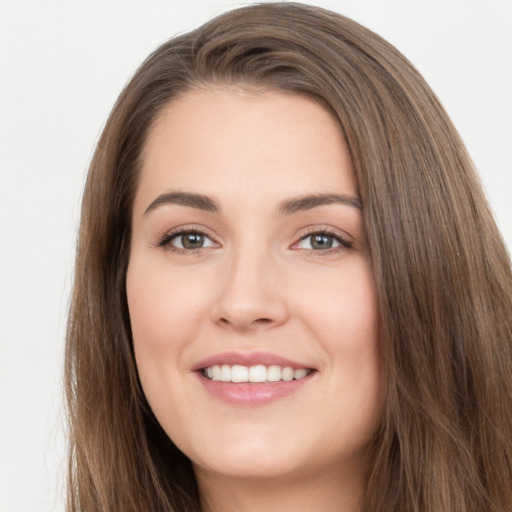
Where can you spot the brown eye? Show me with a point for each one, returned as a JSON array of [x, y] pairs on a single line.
[[187, 240], [191, 240], [321, 241]]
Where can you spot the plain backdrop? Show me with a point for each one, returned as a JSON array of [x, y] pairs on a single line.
[[62, 65]]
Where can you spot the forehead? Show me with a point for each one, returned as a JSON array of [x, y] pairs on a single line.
[[227, 139]]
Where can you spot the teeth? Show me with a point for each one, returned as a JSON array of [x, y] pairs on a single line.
[[225, 373], [239, 373], [215, 372], [274, 373], [257, 373], [299, 374]]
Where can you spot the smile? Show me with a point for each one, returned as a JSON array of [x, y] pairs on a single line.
[[252, 379], [256, 374]]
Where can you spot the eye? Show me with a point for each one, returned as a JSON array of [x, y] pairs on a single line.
[[186, 240], [321, 241]]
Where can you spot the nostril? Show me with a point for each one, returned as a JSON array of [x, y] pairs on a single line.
[[245, 325]]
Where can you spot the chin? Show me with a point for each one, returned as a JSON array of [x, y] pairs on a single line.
[[270, 454], [249, 466]]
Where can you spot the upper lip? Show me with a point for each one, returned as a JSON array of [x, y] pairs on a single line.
[[248, 359]]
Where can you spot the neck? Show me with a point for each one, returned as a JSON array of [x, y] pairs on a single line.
[[325, 492]]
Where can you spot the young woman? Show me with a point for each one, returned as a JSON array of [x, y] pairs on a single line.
[[290, 293]]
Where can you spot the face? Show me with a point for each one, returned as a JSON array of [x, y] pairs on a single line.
[[249, 288]]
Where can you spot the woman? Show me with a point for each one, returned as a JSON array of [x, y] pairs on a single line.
[[290, 292]]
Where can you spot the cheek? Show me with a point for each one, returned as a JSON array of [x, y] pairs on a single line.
[[344, 319], [344, 308], [165, 307], [164, 315], [358, 348]]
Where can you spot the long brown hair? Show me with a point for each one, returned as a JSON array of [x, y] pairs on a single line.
[[442, 273]]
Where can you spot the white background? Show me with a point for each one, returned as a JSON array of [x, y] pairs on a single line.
[[62, 65]]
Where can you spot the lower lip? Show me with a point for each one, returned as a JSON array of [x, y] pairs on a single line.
[[249, 394]]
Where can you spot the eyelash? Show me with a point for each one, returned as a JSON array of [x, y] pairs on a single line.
[[343, 242], [166, 240]]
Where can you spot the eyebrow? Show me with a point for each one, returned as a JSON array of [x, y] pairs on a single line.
[[289, 206], [312, 201], [198, 201]]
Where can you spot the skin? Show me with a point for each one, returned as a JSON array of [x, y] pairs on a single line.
[[256, 285]]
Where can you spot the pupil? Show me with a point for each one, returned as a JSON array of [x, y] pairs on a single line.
[[321, 242], [192, 241]]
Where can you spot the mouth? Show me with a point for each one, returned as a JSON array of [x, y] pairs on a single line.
[[259, 373], [249, 379]]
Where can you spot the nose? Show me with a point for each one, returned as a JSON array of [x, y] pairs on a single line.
[[251, 295]]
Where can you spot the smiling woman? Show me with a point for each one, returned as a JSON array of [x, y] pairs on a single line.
[[220, 294], [290, 293]]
